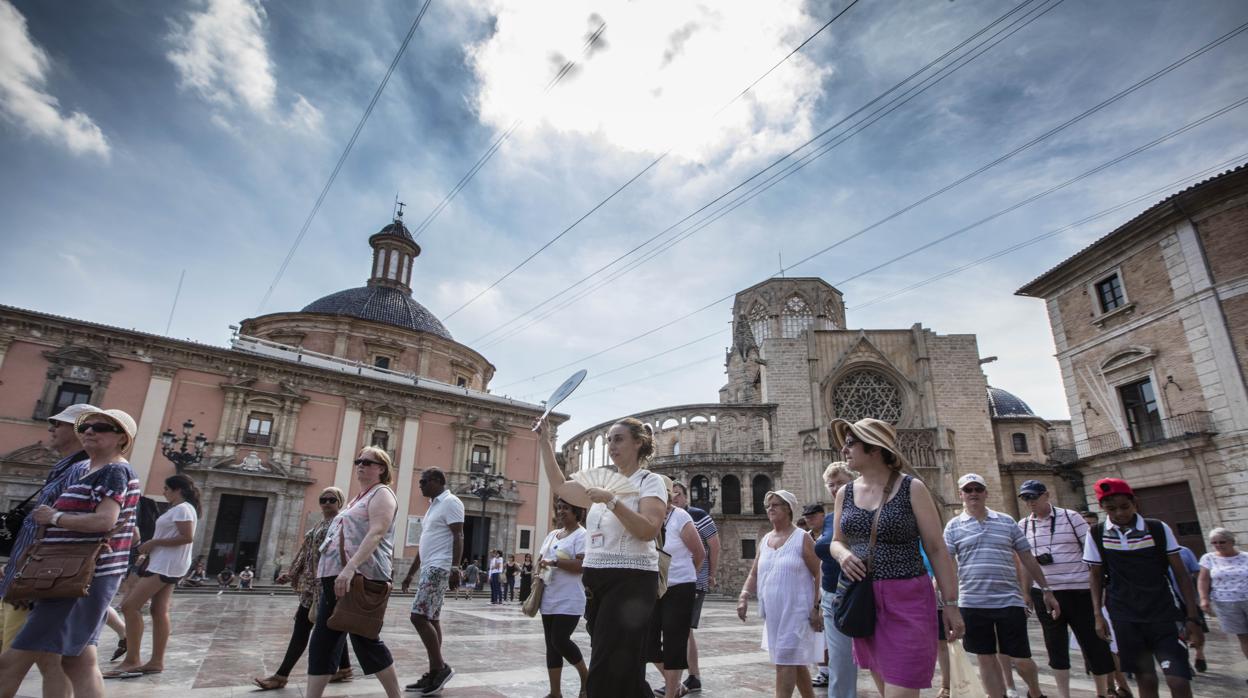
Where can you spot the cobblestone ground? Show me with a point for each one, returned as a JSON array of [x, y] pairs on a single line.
[[220, 642]]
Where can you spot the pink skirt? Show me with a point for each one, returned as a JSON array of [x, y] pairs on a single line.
[[903, 648]]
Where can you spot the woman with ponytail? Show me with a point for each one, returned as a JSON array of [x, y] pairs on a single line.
[[168, 559], [621, 566]]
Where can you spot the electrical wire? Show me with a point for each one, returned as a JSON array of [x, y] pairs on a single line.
[[640, 174], [564, 71], [320, 199], [1169, 68], [698, 226]]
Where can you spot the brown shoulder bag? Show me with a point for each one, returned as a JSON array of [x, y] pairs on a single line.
[[362, 609], [57, 570]]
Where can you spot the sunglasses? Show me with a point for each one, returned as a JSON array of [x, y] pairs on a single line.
[[365, 461], [329, 500], [970, 489], [1029, 497], [100, 428]]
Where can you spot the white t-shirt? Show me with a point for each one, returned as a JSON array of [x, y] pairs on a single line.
[[496, 566], [436, 541], [610, 545], [681, 570], [172, 560], [564, 595], [1228, 576]]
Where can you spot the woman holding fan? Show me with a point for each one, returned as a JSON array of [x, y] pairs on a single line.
[[621, 567]]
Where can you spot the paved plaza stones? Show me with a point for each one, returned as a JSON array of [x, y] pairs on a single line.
[[220, 642]]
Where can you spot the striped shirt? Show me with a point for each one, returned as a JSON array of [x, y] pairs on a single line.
[[706, 531], [984, 551], [64, 472], [1060, 534], [117, 482]]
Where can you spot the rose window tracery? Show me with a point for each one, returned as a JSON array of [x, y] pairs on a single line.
[[866, 394]]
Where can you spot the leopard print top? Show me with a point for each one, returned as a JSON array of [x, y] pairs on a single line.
[[897, 541]]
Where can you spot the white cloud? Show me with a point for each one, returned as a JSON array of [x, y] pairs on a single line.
[[24, 68], [657, 78], [221, 53]]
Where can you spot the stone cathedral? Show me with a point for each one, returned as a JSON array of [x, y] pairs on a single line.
[[794, 366]]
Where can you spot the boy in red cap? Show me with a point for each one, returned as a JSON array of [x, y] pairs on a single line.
[[1129, 558]]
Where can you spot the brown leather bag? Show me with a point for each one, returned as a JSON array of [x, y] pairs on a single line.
[[362, 610], [55, 570]]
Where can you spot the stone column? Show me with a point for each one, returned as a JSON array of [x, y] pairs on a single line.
[[347, 441], [147, 440], [403, 483]]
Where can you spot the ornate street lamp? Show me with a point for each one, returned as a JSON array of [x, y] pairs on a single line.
[[486, 485], [182, 457]]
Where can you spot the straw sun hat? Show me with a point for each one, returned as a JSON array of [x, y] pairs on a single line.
[[872, 431], [117, 417]]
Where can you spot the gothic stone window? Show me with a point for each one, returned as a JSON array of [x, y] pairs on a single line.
[[71, 394], [866, 394], [758, 322], [797, 316]]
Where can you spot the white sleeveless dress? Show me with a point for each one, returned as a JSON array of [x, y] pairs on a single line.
[[786, 596]]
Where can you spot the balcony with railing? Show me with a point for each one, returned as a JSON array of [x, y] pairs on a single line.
[[1179, 427]]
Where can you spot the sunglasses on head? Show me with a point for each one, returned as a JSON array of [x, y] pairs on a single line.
[[329, 500], [365, 461], [974, 488], [99, 428]]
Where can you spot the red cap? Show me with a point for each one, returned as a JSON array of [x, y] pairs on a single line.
[[1110, 486]]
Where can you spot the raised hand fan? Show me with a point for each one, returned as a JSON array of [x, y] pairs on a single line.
[[574, 491]]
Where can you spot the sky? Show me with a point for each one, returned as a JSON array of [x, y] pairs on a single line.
[[139, 140]]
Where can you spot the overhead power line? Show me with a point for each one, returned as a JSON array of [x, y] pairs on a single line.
[[565, 70], [640, 174], [1236, 161], [880, 112], [320, 199], [1014, 152]]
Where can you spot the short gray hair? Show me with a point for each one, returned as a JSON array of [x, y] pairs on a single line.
[[1225, 533], [839, 467]]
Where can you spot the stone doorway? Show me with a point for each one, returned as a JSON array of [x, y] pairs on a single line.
[[477, 538], [1174, 505], [237, 533]]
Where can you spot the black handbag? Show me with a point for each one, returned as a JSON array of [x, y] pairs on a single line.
[[854, 611], [11, 525]]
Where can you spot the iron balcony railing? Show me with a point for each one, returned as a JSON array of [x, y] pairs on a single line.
[[1176, 427]]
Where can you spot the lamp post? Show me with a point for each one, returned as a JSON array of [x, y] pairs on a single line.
[[181, 457], [484, 484]]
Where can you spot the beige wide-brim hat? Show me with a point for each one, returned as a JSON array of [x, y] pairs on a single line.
[[876, 432], [789, 498], [118, 417]]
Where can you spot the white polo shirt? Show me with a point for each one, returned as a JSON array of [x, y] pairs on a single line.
[[437, 545]]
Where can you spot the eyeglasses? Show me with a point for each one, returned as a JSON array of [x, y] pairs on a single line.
[[972, 489], [329, 500], [1029, 497], [1220, 542], [99, 428], [850, 441], [365, 461]]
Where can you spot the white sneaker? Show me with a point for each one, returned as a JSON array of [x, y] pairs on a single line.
[[1011, 693]]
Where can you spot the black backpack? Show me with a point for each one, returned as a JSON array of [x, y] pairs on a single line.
[[1156, 529]]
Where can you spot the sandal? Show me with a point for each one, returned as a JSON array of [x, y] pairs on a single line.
[[343, 675], [944, 693], [274, 681]]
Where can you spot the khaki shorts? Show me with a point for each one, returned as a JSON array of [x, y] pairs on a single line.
[[11, 620]]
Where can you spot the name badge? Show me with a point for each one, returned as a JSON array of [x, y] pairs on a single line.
[[597, 540]]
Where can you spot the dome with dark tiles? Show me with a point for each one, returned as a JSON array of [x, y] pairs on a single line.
[[397, 228], [385, 304], [1006, 404]]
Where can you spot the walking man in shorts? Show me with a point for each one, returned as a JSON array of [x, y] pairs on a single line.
[[984, 543], [1129, 559], [441, 543], [1056, 536]]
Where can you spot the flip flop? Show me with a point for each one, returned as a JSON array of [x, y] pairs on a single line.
[[122, 674], [151, 671]]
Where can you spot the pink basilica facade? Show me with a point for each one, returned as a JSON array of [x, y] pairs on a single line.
[[285, 407]]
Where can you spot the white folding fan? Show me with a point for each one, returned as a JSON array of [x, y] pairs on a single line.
[[573, 491]]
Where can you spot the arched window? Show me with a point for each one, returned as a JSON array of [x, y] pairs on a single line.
[[700, 492], [730, 489], [866, 393], [1020, 442], [758, 322], [797, 317], [761, 486]]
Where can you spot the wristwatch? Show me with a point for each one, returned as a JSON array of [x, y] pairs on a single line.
[[1046, 590], [57, 517], [612, 502]]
